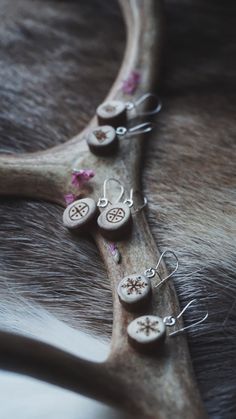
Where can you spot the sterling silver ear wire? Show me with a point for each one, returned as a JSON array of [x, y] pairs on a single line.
[[104, 140], [151, 272], [171, 320], [130, 202], [103, 202], [114, 112], [134, 105], [134, 291], [147, 333], [136, 130]]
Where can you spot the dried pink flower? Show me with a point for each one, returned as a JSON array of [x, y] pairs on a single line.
[[69, 198], [131, 83], [79, 177]]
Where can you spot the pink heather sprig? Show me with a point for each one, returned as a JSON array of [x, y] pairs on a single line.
[[79, 177], [69, 198], [131, 83]]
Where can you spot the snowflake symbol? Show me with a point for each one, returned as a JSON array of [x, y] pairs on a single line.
[[134, 285], [109, 108], [100, 135], [147, 326]]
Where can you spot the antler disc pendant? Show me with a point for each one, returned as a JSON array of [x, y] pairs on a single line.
[[134, 292]]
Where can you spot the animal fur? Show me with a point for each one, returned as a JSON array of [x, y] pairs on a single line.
[[56, 66]]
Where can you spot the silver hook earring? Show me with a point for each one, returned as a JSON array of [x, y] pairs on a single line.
[[134, 291], [147, 333], [104, 140], [115, 221], [114, 112]]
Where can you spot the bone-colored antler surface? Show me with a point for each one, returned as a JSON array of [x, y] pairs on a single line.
[[161, 386]]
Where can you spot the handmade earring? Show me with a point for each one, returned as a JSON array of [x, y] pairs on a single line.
[[135, 290], [80, 214], [104, 140], [115, 221], [147, 333], [114, 112]]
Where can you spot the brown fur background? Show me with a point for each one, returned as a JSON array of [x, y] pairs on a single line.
[[57, 63]]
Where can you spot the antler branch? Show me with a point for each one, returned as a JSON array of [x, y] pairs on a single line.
[[161, 386], [28, 356]]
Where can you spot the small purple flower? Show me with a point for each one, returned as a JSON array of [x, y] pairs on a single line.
[[131, 83], [113, 249], [79, 177], [69, 198]]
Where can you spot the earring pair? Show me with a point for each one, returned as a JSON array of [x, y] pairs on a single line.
[[114, 222], [148, 332], [113, 118]]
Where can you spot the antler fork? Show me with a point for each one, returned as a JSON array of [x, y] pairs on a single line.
[[161, 386]]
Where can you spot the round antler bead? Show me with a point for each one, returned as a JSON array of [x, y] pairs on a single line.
[[80, 213], [146, 333], [115, 221], [103, 140], [113, 113], [134, 292]]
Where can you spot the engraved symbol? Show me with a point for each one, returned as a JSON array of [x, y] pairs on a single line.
[[134, 285], [115, 215], [148, 326], [109, 108], [101, 135], [78, 211]]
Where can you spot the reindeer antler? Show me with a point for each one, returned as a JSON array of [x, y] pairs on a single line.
[[161, 386]]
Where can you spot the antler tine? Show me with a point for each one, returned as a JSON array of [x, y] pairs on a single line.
[[38, 359], [42, 175]]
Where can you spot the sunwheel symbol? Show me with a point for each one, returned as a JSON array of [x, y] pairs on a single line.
[[115, 215], [78, 211]]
